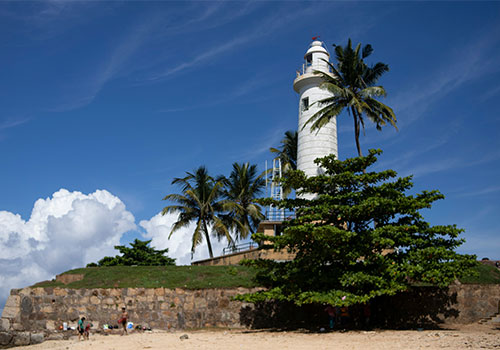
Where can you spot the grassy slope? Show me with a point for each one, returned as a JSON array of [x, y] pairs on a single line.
[[487, 274], [190, 277], [196, 277]]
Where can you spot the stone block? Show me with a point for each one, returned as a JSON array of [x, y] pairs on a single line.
[[60, 292], [42, 291], [95, 300], [4, 324], [22, 338], [5, 338], [82, 310], [26, 291], [13, 301], [109, 301], [47, 309], [55, 336], [129, 302], [141, 299], [50, 325], [11, 312], [159, 291], [17, 327], [200, 303], [115, 292], [37, 338]]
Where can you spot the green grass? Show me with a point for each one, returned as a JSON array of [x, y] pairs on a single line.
[[197, 277], [486, 274], [188, 277]]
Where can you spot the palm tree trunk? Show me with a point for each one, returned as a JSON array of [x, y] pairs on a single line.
[[356, 130], [207, 236]]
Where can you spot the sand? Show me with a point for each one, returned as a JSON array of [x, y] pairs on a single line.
[[465, 337]]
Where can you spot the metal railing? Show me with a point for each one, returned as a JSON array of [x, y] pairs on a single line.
[[276, 214], [239, 247], [310, 68]]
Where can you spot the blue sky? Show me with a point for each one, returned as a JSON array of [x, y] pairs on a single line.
[[102, 104]]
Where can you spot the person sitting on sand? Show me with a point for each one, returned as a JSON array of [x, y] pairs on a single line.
[[81, 328], [123, 320]]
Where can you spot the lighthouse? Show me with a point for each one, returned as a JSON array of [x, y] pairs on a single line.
[[322, 142]]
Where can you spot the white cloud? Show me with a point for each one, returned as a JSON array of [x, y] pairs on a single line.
[[65, 231], [179, 245]]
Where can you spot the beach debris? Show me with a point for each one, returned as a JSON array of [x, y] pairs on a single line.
[[183, 337]]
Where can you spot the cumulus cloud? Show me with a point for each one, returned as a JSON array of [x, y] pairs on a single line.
[[179, 245], [65, 231]]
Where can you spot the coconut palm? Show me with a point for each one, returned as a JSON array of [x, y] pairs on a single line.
[[288, 151], [287, 154], [352, 85], [241, 189], [199, 202]]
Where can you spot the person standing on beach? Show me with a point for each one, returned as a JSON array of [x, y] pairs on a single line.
[[123, 320], [330, 310], [81, 328]]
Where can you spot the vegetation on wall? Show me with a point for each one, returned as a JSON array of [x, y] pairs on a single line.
[[188, 277], [360, 237], [139, 253]]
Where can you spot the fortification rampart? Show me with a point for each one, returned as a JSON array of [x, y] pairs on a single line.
[[32, 315]]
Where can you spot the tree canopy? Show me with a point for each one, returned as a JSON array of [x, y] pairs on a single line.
[[199, 202], [360, 237], [240, 191], [287, 152], [139, 253]]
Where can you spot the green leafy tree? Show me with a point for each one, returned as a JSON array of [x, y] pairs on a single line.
[[199, 202], [241, 189], [139, 253], [342, 256], [353, 87]]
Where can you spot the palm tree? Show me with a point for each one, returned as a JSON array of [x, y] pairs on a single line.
[[240, 191], [287, 155], [353, 87], [199, 202], [288, 151]]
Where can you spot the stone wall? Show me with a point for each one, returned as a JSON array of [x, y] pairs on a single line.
[[35, 311], [34, 314]]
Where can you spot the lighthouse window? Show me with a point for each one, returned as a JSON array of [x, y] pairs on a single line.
[[309, 58], [305, 103]]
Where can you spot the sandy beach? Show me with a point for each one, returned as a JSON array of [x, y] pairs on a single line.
[[465, 337]]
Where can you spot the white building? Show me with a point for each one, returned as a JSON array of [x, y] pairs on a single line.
[[319, 143]]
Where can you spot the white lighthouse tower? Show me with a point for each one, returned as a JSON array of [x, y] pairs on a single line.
[[316, 144]]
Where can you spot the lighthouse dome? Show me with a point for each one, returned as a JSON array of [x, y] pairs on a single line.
[[317, 46]]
